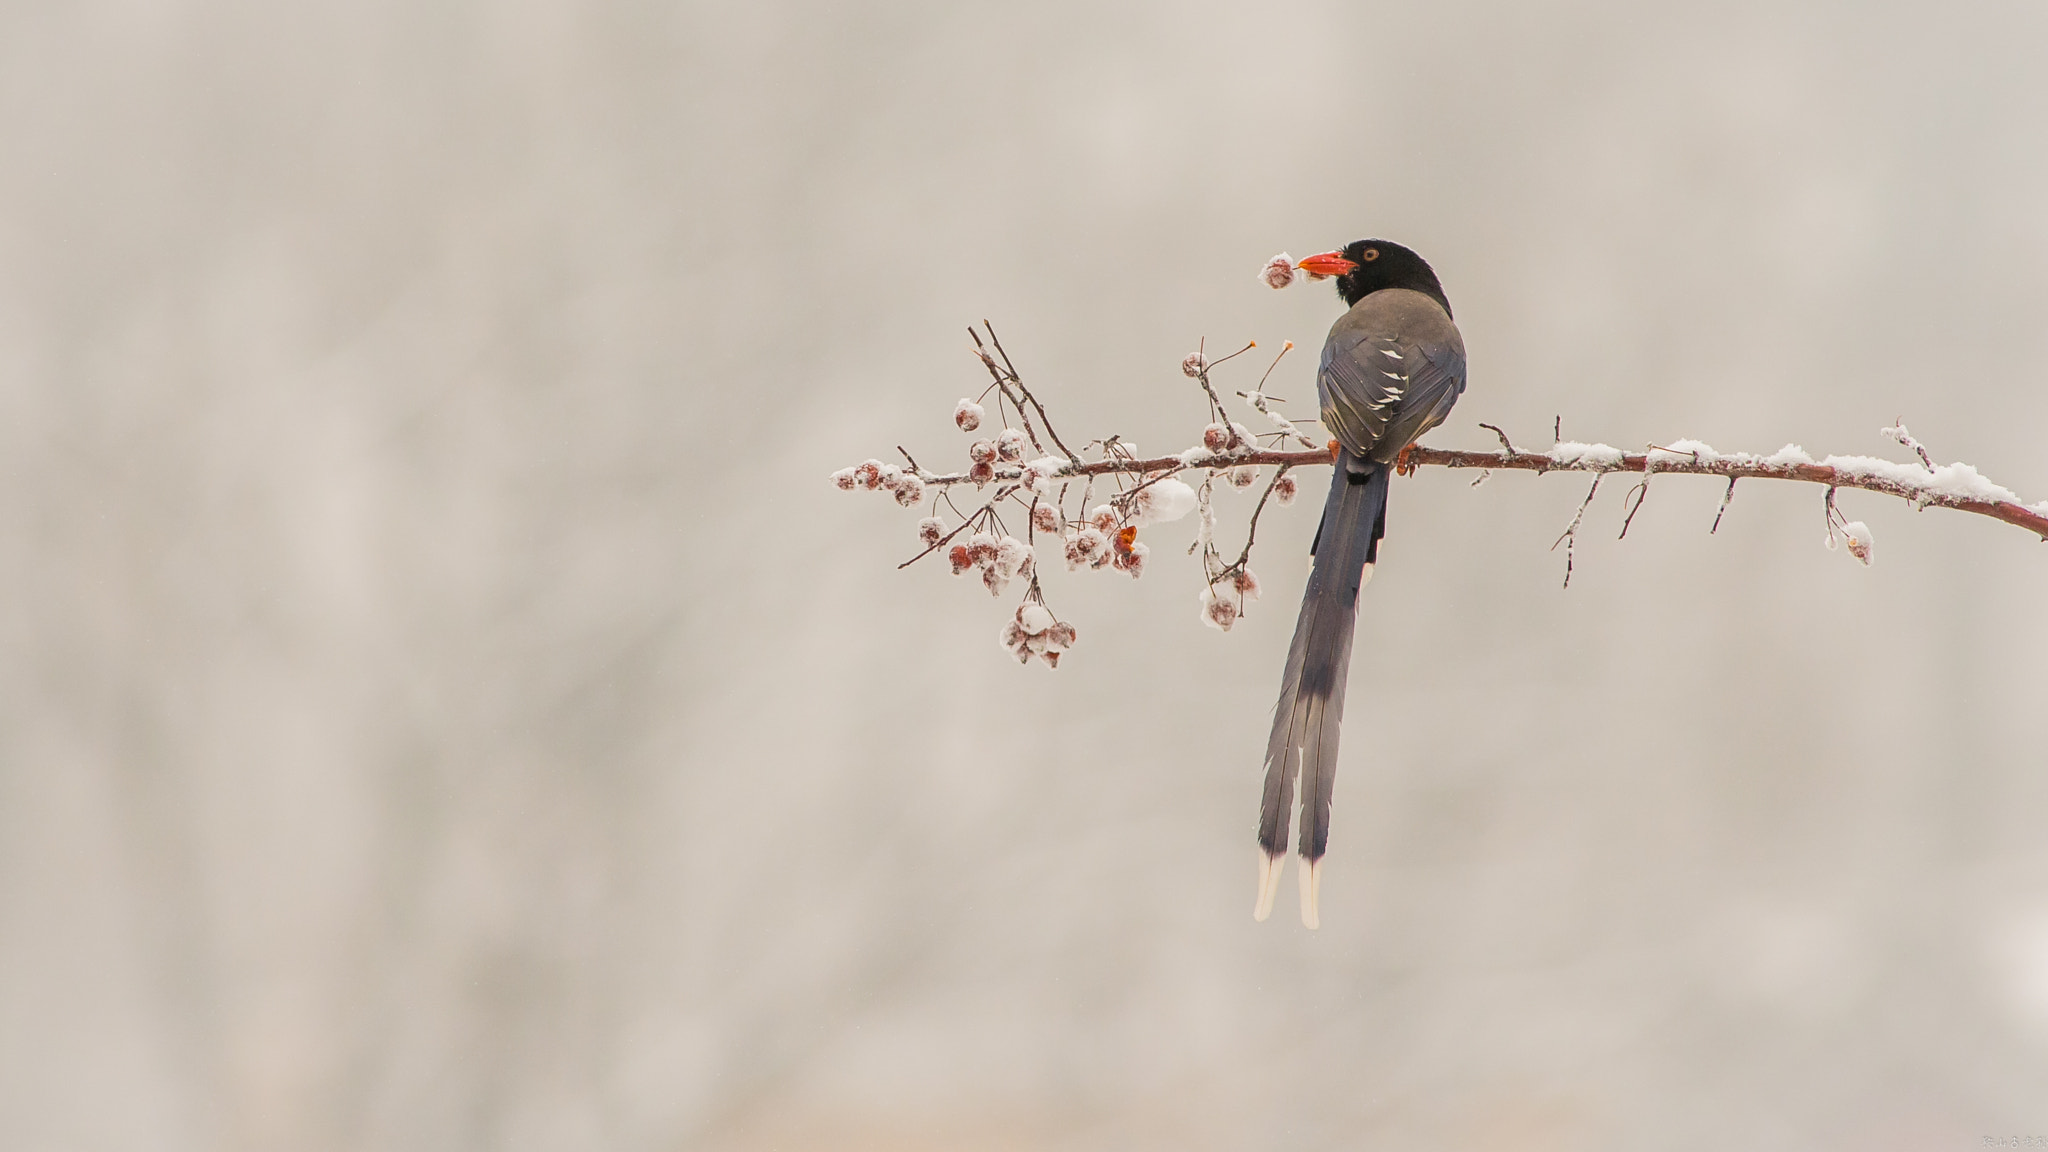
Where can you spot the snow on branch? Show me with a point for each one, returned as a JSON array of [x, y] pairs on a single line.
[[1053, 494]]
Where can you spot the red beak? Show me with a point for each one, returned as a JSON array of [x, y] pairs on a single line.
[[1326, 264]]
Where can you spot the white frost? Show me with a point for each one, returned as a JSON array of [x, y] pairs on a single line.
[[1950, 481], [1573, 454], [1683, 450]]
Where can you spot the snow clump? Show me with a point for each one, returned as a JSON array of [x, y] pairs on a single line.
[[1162, 502]]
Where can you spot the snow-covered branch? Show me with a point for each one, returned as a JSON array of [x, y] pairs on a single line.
[[1957, 486], [1055, 496]]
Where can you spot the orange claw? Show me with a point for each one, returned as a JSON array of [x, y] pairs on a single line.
[[1401, 465], [1333, 451]]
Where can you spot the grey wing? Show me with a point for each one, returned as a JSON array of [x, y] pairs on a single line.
[[1380, 393]]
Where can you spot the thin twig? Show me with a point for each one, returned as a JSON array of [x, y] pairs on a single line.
[[1251, 531], [1640, 492], [1019, 382], [1571, 533], [995, 373], [986, 510], [1725, 498]]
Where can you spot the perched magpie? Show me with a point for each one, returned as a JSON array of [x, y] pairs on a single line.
[[1392, 367]]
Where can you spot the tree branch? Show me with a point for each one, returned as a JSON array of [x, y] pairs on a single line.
[[1951, 486], [1149, 493]]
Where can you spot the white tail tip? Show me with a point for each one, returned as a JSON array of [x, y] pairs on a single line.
[[1311, 873], [1270, 868]]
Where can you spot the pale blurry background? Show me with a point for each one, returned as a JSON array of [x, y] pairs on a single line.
[[445, 706]]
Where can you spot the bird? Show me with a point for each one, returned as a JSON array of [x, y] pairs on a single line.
[[1391, 369]]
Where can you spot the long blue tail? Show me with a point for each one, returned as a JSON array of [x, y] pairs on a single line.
[[1311, 706]]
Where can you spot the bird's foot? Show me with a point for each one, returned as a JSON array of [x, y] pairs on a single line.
[[1402, 465]]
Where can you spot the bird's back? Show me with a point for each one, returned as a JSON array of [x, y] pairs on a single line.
[[1392, 367]]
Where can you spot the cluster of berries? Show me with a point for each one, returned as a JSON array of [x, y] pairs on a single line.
[[1034, 632], [907, 485], [1007, 447], [1000, 558], [1101, 541]]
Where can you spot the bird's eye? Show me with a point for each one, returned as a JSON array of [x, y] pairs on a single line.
[[1369, 254]]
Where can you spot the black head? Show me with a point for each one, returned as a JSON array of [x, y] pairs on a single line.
[[1377, 264]]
